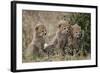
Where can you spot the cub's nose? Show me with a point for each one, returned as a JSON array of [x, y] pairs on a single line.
[[78, 34], [67, 31]]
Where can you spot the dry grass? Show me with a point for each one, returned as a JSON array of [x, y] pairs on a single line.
[[57, 58]]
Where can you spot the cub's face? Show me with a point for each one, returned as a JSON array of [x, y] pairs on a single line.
[[64, 27], [76, 31], [41, 30]]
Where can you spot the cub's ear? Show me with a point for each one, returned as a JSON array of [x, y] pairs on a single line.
[[71, 27], [59, 25], [36, 28]]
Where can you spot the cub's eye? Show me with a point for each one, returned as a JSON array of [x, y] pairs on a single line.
[[64, 28], [42, 31]]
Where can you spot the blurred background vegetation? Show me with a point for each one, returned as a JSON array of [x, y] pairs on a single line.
[[50, 19]]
